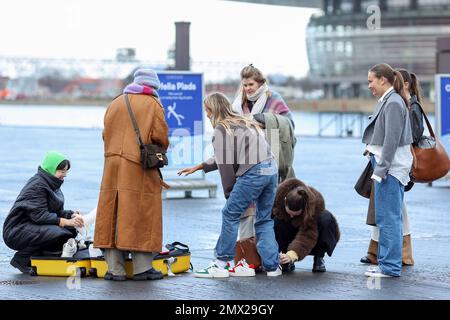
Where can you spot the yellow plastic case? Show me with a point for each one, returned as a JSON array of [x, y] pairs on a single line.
[[179, 262], [60, 267]]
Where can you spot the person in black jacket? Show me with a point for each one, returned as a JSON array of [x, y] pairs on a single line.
[[413, 92], [37, 221]]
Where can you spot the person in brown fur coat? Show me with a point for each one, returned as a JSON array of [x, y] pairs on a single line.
[[302, 225]]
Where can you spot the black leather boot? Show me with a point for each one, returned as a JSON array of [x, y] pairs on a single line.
[[110, 276], [319, 264], [21, 262], [287, 267], [151, 274]]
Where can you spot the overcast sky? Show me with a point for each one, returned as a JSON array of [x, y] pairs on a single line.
[[271, 37]]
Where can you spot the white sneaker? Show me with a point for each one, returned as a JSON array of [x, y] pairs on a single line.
[[375, 272], [212, 271], [81, 244], [94, 252], [242, 269], [69, 248], [275, 273]]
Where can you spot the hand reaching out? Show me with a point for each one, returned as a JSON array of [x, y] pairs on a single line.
[[188, 171]]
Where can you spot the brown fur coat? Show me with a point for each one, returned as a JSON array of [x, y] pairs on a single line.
[[308, 233]]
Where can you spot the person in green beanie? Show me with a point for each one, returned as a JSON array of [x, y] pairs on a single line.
[[37, 222]]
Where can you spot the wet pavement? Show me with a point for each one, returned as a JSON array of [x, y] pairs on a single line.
[[331, 165]]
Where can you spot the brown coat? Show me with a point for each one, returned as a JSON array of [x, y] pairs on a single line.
[[308, 231], [129, 211], [370, 220]]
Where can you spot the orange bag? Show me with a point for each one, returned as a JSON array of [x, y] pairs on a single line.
[[431, 160]]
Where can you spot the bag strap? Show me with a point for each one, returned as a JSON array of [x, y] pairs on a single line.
[[430, 129], [136, 129], [178, 244]]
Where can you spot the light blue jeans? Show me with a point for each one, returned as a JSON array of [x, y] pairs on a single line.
[[388, 217], [257, 185]]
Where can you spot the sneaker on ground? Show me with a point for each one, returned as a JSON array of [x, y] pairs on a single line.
[[212, 271], [275, 273], [69, 248], [375, 272], [94, 252], [81, 244], [242, 269]]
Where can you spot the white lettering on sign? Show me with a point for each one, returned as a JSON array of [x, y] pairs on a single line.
[[170, 86], [447, 87]]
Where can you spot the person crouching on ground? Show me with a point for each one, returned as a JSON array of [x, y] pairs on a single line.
[[302, 225], [37, 221], [249, 174]]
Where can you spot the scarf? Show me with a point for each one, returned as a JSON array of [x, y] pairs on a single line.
[[140, 89], [260, 96]]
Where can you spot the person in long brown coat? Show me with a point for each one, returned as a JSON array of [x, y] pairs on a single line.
[[129, 211]]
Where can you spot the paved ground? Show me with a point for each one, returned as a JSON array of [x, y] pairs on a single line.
[[330, 165]]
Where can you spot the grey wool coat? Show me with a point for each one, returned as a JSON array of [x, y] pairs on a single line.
[[388, 127]]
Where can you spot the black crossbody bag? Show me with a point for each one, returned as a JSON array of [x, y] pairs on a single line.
[[152, 155]]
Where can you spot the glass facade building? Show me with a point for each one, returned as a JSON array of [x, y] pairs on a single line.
[[350, 36]]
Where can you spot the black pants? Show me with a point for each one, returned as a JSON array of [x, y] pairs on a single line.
[[55, 246], [285, 232]]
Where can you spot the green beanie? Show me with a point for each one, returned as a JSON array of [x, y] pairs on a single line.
[[51, 161]]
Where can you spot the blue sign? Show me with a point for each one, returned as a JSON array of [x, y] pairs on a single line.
[[181, 94], [443, 109], [445, 106], [182, 97]]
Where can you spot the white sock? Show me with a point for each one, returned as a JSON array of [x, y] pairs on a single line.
[[220, 263]]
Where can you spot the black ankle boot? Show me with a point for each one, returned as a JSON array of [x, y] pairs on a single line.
[[319, 264], [23, 264], [151, 274], [288, 267], [111, 277]]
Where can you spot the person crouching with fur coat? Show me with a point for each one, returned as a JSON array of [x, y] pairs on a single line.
[[302, 225]]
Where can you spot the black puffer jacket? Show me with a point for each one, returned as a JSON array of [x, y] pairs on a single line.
[[416, 119], [34, 218]]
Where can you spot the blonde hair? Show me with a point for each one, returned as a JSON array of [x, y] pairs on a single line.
[[223, 114]]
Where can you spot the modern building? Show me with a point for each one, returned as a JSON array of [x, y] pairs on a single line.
[[350, 36], [347, 37]]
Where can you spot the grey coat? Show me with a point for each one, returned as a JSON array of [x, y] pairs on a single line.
[[388, 127]]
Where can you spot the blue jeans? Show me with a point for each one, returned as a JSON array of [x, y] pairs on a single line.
[[257, 185], [388, 217]]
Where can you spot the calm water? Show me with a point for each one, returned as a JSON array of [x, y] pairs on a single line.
[[307, 123], [92, 117], [27, 132]]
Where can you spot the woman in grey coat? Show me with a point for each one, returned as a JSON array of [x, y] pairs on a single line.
[[413, 93], [388, 138]]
